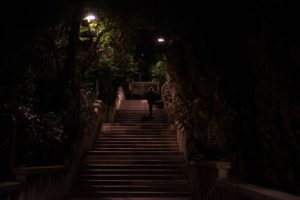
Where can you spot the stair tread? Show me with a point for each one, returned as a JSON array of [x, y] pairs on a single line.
[[134, 158]]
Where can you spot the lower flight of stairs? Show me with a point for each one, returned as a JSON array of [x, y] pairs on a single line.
[[133, 159]]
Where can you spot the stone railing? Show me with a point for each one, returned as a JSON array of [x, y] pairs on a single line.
[[11, 190], [45, 183], [203, 177], [116, 106], [210, 182], [232, 190], [143, 85], [181, 139], [210, 179], [86, 143], [8, 127], [53, 182]]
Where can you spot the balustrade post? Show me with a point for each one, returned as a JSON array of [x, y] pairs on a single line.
[[13, 145], [97, 106], [204, 175]]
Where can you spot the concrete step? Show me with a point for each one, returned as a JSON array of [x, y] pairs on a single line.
[[155, 113], [150, 149], [131, 171], [129, 156], [102, 140], [132, 139], [119, 143], [132, 198], [135, 157], [159, 188], [133, 152], [139, 120], [131, 194], [137, 145], [147, 125], [132, 161], [136, 131], [132, 166], [166, 177], [137, 136], [143, 182]]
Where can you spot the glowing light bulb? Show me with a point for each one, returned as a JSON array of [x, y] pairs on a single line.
[[160, 40], [90, 18]]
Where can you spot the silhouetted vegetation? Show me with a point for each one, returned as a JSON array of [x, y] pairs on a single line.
[[233, 76]]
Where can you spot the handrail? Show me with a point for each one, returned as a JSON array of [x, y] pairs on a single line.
[[8, 187], [51, 182], [243, 191], [203, 176], [143, 85], [47, 182], [210, 181], [40, 170], [12, 141]]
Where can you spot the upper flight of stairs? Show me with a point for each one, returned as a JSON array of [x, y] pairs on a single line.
[[134, 158], [138, 89]]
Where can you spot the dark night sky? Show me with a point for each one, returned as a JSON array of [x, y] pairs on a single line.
[[21, 20]]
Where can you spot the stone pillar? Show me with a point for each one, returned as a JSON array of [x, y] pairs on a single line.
[[204, 175]]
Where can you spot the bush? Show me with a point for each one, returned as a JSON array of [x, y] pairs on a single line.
[[41, 138]]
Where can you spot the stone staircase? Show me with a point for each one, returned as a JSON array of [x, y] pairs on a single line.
[[137, 90], [134, 158]]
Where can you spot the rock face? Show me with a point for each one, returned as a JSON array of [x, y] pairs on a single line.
[[240, 101]]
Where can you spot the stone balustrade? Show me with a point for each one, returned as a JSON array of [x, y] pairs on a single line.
[[232, 190], [143, 85], [47, 183], [52, 182], [203, 176], [210, 179], [11, 190]]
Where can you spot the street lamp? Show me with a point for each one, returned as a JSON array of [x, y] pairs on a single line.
[[90, 18], [161, 40]]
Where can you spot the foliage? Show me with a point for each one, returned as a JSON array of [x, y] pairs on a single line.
[[43, 75], [111, 60], [159, 70], [41, 138]]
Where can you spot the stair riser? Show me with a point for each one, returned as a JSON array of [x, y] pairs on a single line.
[[130, 142], [136, 137], [110, 171], [109, 152], [152, 133], [137, 177], [134, 157], [140, 167], [141, 120], [136, 146], [133, 183], [126, 194], [144, 136], [131, 188], [143, 162]]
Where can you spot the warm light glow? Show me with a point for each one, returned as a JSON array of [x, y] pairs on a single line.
[[160, 40], [90, 18]]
